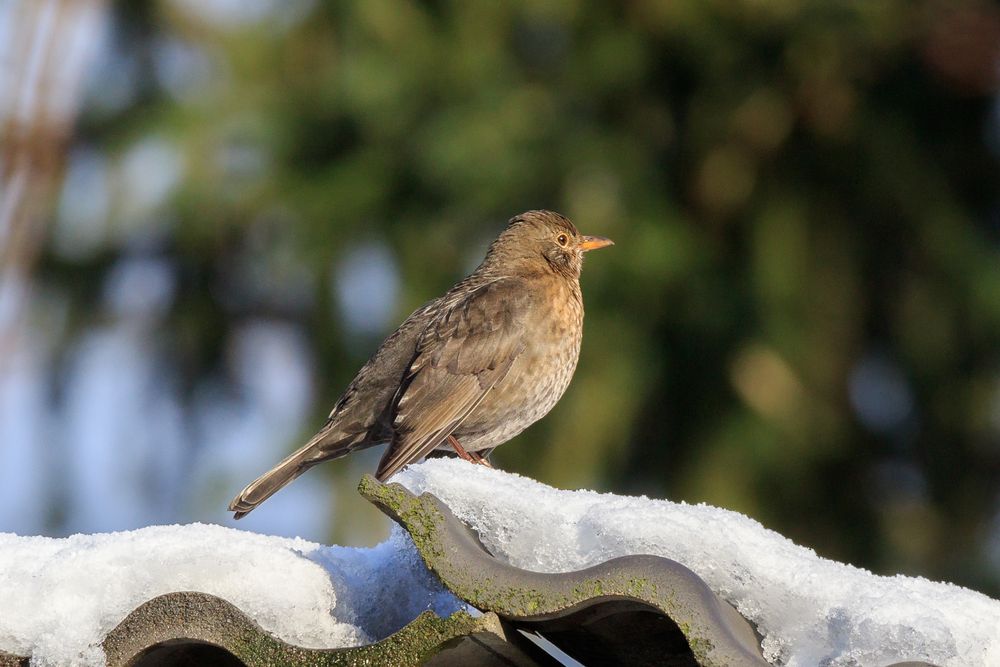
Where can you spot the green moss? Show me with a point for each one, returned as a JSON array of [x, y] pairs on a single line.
[[412, 645], [702, 649], [421, 520], [589, 589], [517, 594]]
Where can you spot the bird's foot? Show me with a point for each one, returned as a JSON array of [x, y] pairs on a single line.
[[471, 457], [481, 460], [460, 450]]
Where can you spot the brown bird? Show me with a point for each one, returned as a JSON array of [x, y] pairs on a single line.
[[469, 370]]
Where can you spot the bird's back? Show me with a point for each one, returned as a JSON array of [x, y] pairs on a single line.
[[365, 406]]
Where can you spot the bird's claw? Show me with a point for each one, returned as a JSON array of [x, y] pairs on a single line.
[[481, 460]]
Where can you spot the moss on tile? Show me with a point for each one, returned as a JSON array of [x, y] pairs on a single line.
[[199, 617], [470, 572]]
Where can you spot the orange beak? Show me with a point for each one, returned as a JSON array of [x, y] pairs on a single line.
[[595, 242]]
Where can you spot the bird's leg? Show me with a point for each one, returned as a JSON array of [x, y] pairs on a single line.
[[481, 460], [471, 457], [459, 449]]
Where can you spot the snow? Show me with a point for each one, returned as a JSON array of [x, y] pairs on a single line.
[[60, 597], [810, 610], [66, 594]]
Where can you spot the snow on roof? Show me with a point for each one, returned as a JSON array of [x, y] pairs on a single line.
[[60, 597], [810, 610]]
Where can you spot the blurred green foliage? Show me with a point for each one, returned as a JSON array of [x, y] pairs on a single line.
[[799, 190]]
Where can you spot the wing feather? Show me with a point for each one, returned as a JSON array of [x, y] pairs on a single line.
[[465, 351]]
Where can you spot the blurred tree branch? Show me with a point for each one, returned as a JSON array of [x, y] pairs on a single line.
[[45, 57]]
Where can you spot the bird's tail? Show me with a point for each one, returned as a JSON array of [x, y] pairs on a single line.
[[315, 451]]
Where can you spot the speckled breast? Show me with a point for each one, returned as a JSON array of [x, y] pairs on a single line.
[[538, 377]]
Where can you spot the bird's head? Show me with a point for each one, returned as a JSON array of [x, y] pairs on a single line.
[[543, 240]]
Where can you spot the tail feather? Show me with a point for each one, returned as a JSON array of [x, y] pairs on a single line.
[[315, 451]]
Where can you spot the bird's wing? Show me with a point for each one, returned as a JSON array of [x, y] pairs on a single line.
[[465, 351]]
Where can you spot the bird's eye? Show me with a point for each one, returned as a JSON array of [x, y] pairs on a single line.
[[562, 240]]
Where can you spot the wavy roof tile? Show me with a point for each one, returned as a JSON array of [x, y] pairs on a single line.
[[634, 610]]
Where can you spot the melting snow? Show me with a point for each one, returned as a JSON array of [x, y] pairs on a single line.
[[66, 594], [810, 610]]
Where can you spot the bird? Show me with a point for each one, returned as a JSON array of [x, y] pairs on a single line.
[[467, 371]]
